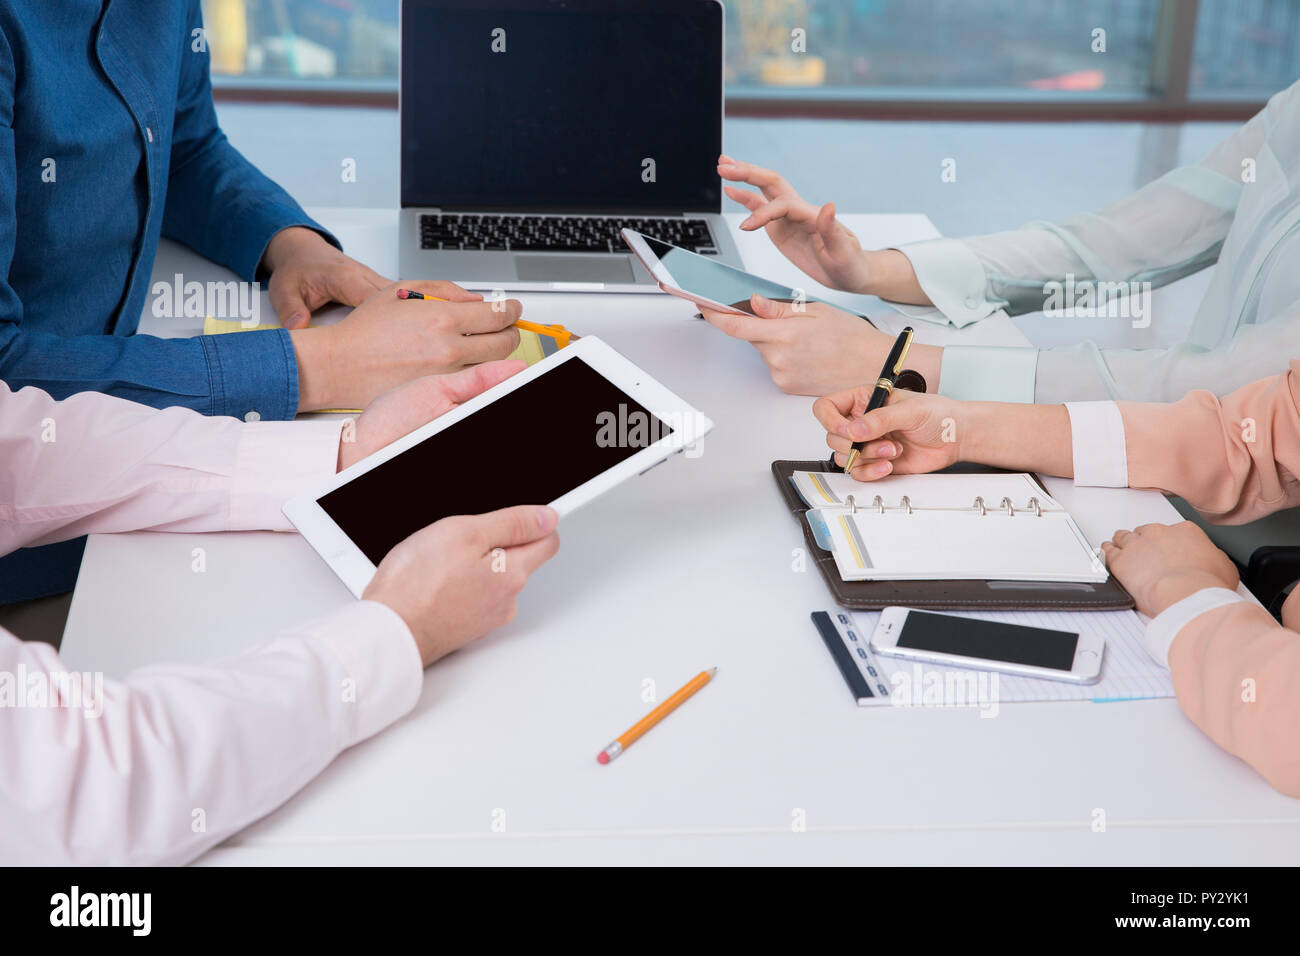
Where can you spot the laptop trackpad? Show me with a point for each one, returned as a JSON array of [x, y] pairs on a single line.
[[572, 268]]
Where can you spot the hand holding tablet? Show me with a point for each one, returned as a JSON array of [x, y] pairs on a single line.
[[396, 414], [457, 579], [587, 416]]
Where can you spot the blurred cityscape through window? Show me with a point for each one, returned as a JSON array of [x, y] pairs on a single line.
[[1246, 47], [847, 49]]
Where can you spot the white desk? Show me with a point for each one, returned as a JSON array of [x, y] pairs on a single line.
[[682, 569]]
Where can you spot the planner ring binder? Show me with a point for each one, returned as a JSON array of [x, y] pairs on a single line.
[[933, 593], [905, 504]]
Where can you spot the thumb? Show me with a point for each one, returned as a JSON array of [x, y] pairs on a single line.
[[888, 418], [839, 242], [463, 385], [290, 306], [511, 527], [766, 308], [355, 283]]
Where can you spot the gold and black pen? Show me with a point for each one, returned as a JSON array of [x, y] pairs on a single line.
[[884, 386]]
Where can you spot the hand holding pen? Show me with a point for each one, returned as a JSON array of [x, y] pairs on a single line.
[[884, 387]]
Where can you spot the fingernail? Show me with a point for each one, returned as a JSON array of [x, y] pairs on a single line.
[[547, 518], [858, 431], [891, 450], [298, 317], [760, 299], [880, 469]]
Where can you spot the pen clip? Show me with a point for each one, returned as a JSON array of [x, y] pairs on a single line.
[[902, 354]]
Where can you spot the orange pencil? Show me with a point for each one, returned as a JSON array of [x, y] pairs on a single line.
[[412, 294], [561, 335], [659, 713]]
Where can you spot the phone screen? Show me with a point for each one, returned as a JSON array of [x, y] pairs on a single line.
[[531, 446], [701, 276], [989, 640]]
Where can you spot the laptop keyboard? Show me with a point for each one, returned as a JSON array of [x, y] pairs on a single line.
[[557, 233]]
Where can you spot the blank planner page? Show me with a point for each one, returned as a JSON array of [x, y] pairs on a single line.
[[949, 545]]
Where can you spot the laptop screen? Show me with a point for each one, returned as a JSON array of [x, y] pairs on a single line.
[[562, 105]]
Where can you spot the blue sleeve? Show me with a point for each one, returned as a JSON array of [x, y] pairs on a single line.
[[215, 375], [212, 374], [218, 203]]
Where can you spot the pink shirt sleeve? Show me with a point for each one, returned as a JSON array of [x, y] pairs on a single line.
[[93, 463], [1236, 671], [1233, 459], [164, 764], [159, 767]]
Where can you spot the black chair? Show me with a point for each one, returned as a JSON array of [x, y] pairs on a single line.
[[1270, 573]]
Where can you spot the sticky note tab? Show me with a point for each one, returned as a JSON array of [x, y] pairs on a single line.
[[213, 326], [529, 349]]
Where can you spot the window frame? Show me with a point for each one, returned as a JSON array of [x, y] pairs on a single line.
[[1166, 98]]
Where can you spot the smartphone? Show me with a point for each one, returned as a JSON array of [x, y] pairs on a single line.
[[953, 641], [706, 282]]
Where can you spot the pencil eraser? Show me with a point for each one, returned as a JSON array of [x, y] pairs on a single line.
[[602, 757], [402, 293]]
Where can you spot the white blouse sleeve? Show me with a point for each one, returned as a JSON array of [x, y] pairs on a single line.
[[1167, 229]]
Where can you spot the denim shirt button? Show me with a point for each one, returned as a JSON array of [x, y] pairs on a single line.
[[252, 416]]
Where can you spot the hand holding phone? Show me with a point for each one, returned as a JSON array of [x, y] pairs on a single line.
[[706, 282]]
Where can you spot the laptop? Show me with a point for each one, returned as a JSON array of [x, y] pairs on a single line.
[[532, 131]]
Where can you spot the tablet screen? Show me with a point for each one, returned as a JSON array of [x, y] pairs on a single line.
[[530, 446]]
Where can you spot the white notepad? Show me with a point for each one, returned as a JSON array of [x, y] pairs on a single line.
[[988, 527]]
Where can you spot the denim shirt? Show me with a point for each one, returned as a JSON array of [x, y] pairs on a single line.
[[109, 139]]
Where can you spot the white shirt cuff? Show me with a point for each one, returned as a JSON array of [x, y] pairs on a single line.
[[926, 313], [986, 373], [274, 462], [1164, 627], [950, 273], [1097, 440], [383, 673]]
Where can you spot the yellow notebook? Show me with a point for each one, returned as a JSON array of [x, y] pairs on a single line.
[[529, 349]]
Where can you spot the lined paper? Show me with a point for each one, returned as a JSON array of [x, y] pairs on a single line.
[[1127, 670]]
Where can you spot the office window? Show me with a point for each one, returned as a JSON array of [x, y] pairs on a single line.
[[949, 48], [1245, 47], [327, 42], [948, 51], [833, 47]]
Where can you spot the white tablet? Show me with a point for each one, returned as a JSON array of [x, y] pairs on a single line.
[[560, 433]]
